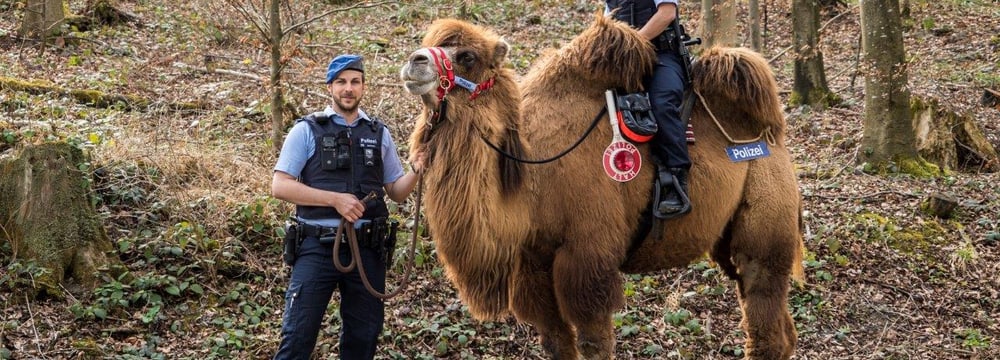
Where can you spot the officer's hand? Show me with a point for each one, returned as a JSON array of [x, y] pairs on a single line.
[[349, 206], [418, 161]]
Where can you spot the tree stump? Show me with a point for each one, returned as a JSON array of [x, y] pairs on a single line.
[[941, 205], [950, 140], [991, 98], [47, 217]]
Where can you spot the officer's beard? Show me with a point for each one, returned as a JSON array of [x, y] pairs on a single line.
[[345, 108]]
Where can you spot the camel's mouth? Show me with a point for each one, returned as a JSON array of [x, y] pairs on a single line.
[[419, 75]]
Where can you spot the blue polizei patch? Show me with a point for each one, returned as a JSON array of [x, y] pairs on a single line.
[[744, 152]]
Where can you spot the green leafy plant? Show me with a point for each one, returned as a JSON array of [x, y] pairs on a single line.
[[21, 274], [973, 338], [258, 220]]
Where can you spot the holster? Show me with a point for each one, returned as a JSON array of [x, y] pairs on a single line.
[[389, 243], [668, 41], [292, 243], [371, 233]]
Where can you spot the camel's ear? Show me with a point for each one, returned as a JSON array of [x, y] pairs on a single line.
[[500, 53]]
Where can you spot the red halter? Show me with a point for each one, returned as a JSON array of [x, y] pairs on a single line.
[[447, 79], [446, 73]]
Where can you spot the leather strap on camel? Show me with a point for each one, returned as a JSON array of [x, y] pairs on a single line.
[[764, 134]]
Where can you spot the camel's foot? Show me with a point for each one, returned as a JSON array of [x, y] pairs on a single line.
[[559, 347], [596, 350], [774, 342]]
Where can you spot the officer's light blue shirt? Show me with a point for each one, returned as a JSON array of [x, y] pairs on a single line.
[[300, 145]]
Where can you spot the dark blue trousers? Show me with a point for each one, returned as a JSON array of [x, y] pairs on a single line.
[[314, 278], [666, 92]]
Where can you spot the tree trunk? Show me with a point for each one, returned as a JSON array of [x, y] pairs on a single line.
[[718, 23], [889, 139], [755, 37], [810, 86], [42, 18], [48, 218], [277, 93]]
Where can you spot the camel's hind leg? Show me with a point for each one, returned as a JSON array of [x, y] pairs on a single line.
[[533, 301], [762, 270], [761, 257]]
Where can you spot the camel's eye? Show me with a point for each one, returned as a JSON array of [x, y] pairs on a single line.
[[466, 58]]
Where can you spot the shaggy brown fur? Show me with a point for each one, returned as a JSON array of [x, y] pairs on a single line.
[[551, 250]]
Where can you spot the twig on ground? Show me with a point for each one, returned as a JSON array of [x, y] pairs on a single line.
[[880, 193], [31, 315]]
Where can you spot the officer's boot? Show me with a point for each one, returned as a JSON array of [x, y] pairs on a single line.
[[672, 200]]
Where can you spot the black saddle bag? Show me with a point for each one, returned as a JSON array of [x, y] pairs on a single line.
[[637, 116]]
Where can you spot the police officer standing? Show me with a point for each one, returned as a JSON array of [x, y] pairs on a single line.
[[653, 19], [330, 162]]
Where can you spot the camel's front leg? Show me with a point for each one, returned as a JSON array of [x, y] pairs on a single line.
[[533, 301], [589, 291]]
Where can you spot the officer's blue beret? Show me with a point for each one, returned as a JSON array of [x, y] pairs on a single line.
[[344, 62]]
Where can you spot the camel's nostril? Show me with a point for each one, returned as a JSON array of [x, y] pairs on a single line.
[[419, 59]]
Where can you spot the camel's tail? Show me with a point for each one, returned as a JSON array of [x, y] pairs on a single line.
[[743, 79]]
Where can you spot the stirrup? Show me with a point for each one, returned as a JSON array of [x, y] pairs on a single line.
[[685, 201]]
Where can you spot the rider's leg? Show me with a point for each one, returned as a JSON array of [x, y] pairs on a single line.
[[666, 92]]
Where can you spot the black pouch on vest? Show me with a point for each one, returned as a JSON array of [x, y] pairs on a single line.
[[389, 243], [291, 244], [637, 113], [335, 151]]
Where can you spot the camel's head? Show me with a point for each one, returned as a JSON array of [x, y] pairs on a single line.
[[466, 51]]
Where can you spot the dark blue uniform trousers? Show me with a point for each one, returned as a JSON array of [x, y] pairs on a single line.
[[314, 278], [666, 92]]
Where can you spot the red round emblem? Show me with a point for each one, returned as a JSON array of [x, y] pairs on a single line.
[[622, 161]]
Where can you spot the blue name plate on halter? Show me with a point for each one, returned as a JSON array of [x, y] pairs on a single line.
[[468, 85], [744, 152]]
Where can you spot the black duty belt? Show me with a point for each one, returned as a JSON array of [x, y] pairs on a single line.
[[370, 234], [308, 230]]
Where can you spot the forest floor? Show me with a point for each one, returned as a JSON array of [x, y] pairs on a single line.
[[185, 192]]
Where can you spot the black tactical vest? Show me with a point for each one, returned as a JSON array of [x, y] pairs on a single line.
[[346, 160], [634, 12]]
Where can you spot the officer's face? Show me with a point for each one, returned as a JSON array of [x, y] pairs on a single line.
[[347, 90]]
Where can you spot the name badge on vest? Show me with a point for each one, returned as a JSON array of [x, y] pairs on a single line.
[[745, 152]]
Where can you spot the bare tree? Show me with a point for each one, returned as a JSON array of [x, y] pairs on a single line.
[[718, 25], [755, 37], [42, 18], [270, 29], [810, 86], [889, 141]]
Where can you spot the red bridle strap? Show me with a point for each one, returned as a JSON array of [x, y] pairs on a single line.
[[446, 73]]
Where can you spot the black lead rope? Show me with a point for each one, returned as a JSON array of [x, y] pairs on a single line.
[[557, 156]]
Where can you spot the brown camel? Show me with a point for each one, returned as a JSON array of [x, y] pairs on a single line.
[[547, 242]]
